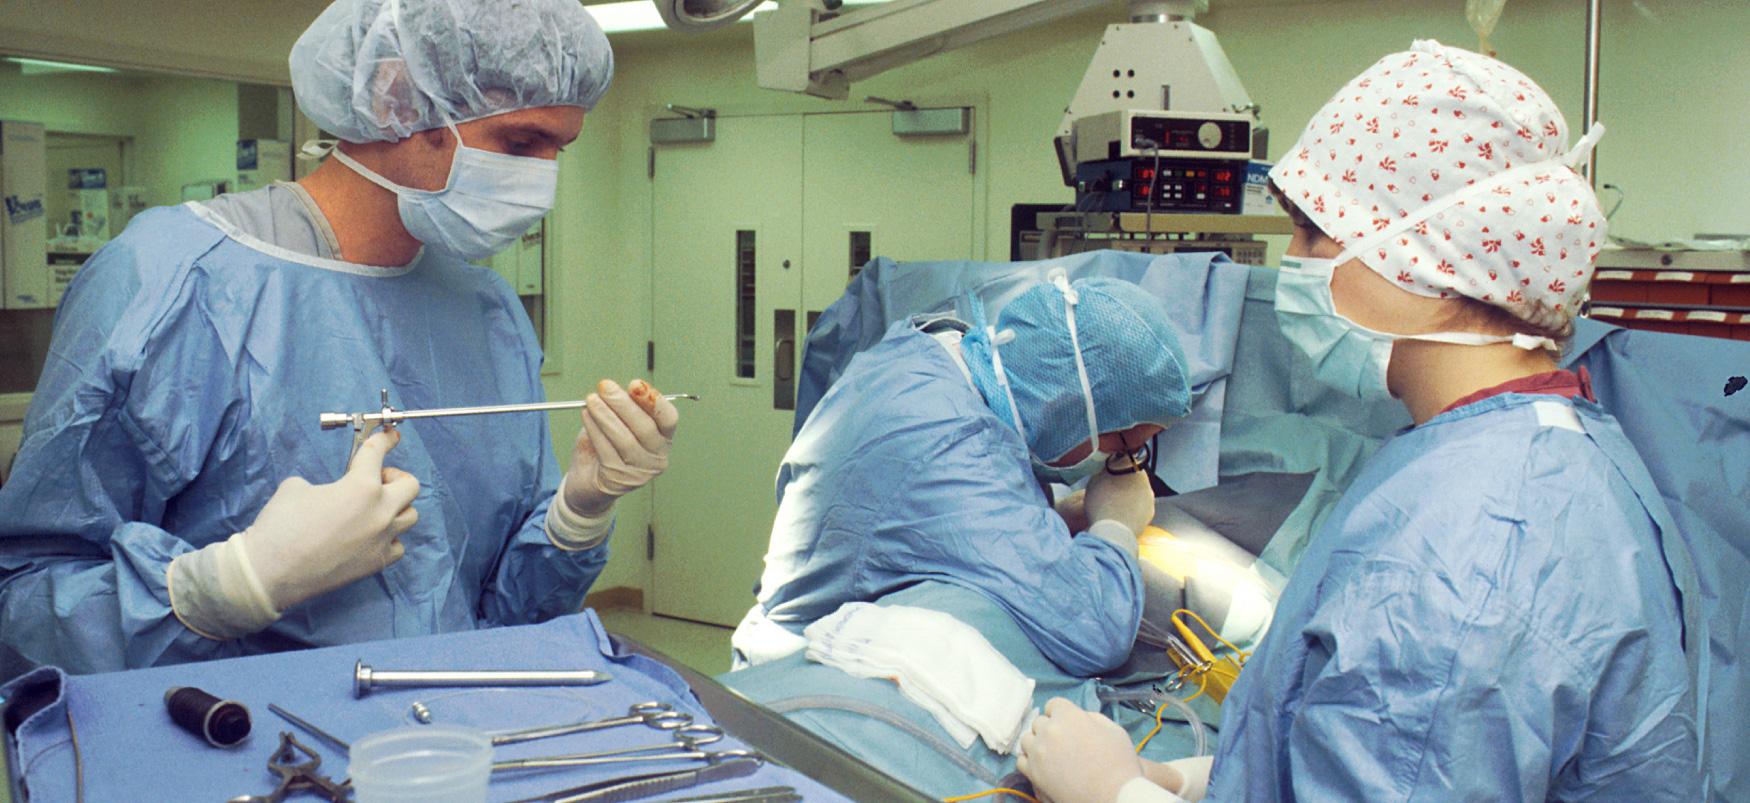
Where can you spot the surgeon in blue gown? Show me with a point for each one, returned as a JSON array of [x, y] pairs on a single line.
[[1499, 607], [173, 498], [925, 461]]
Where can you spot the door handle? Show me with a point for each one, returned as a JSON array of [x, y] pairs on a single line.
[[783, 359]]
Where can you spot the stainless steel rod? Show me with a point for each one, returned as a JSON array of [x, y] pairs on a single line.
[[338, 420], [554, 762], [365, 679], [1589, 92], [325, 736]]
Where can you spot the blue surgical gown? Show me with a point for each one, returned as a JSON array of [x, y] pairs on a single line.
[[1488, 614], [903, 474], [187, 371]]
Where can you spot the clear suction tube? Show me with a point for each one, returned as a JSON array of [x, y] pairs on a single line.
[[1155, 699]]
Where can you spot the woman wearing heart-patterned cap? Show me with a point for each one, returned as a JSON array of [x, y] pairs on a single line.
[[1499, 607]]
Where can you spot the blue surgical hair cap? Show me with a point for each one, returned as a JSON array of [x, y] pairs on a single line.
[[381, 70], [1136, 366]]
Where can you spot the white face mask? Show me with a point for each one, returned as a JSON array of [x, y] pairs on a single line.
[[490, 200], [1346, 355]]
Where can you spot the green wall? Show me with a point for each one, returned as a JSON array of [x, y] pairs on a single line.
[[184, 129], [1674, 97]]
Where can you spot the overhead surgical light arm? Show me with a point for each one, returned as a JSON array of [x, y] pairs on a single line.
[[1158, 61], [801, 48]]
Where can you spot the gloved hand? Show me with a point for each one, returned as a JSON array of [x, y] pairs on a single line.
[[312, 539], [1072, 508], [1076, 756], [1124, 498], [1186, 777], [623, 445]]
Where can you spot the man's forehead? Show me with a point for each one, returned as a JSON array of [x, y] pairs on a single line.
[[558, 123]]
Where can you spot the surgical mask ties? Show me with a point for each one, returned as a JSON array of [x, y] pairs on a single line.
[[1346, 355], [491, 199], [1096, 459], [1063, 475]]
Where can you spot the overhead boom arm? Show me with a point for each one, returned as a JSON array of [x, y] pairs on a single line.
[[801, 48]]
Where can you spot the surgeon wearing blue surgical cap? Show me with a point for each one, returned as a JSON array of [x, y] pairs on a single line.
[[173, 498], [925, 461]]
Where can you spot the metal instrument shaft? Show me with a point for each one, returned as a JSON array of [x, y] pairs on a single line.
[[392, 416], [365, 678]]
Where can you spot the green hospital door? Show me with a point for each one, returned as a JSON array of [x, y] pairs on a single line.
[[754, 234]]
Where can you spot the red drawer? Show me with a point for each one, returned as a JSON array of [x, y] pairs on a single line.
[[1734, 292]]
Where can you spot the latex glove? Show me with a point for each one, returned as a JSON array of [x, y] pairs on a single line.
[[1075, 756], [1072, 509], [312, 539], [1186, 777], [1125, 498], [623, 445]]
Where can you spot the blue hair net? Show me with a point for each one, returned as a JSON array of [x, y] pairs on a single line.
[[1136, 367], [369, 70]]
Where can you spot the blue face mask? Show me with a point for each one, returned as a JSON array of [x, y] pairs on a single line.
[[1070, 475], [1346, 355], [490, 200]]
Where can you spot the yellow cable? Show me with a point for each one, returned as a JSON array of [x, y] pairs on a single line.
[[1021, 795], [1159, 712], [1202, 685], [1242, 654]]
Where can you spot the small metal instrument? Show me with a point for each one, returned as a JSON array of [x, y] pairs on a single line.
[[327, 738], [685, 747], [364, 423], [296, 766], [660, 716], [767, 794], [637, 787], [365, 678]]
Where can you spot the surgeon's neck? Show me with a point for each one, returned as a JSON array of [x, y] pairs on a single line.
[[363, 216], [1429, 377]]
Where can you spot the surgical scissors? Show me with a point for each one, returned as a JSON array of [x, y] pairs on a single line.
[[660, 716], [685, 747]]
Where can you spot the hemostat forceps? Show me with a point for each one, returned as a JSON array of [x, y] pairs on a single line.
[[685, 747], [364, 423], [660, 716], [641, 786], [296, 766]]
